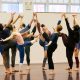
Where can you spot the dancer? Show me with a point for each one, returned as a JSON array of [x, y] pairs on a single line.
[[20, 44], [52, 47], [77, 46], [5, 32], [73, 38], [27, 48]]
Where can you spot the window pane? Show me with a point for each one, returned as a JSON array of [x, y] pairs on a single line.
[[50, 1], [12, 7], [34, 0], [57, 8], [63, 1], [11, 0], [74, 1], [75, 8], [43, 0], [55, 1], [66, 1], [38, 0], [60, 1], [20, 7], [38, 8]]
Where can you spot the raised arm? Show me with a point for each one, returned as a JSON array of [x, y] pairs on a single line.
[[26, 28], [67, 23], [11, 19], [16, 19], [74, 20]]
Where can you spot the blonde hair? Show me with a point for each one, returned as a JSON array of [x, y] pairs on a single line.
[[59, 28]]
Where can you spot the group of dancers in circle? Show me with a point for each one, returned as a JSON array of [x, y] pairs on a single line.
[[22, 38]]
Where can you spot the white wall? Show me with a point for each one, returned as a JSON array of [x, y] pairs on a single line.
[[50, 20]]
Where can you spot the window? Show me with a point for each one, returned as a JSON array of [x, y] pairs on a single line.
[[11, 0], [60, 1], [75, 8], [57, 8], [12, 7], [38, 8], [75, 1]]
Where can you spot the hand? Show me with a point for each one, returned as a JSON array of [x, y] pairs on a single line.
[[13, 14], [1, 40], [34, 14], [63, 15], [74, 15], [46, 45], [19, 16]]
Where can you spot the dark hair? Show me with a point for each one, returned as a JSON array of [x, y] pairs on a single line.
[[1, 27], [23, 25], [76, 27], [42, 25], [10, 27]]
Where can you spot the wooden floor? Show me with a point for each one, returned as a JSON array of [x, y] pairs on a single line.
[[36, 73]]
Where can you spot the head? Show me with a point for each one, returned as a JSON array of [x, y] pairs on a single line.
[[1, 27], [59, 28], [43, 27], [10, 27], [23, 25], [76, 27]]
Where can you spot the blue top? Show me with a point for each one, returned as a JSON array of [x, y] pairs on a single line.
[[4, 34], [25, 29], [54, 37]]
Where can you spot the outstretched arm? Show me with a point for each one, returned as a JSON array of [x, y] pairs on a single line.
[[74, 20], [67, 23], [11, 19], [16, 19]]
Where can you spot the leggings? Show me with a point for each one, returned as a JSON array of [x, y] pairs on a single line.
[[69, 55], [77, 62], [5, 54], [21, 50], [43, 44], [50, 51]]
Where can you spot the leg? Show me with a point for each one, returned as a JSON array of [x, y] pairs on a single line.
[[13, 50], [27, 52], [21, 53], [50, 51], [5, 55], [44, 60], [70, 58], [76, 54], [45, 55]]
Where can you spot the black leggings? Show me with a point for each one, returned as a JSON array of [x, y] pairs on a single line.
[[50, 51], [5, 54], [77, 62], [69, 55]]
